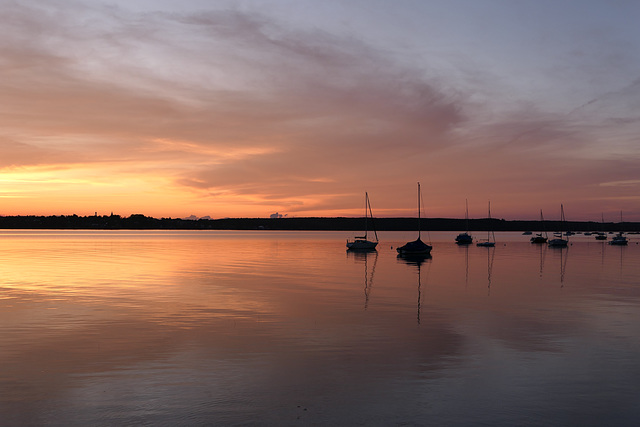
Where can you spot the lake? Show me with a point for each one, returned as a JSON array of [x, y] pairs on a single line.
[[288, 328]]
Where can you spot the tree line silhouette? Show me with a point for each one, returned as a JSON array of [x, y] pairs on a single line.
[[142, 222]]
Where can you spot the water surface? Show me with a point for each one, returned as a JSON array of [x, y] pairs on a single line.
[[288, 328]]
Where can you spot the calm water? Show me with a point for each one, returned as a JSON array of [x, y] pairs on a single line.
[[287, 328]]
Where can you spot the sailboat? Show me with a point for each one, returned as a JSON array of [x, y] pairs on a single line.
[[601, 235], [539, 238], [465, 238], [361, 243], [619, 239], [417, 247], [558, 241], [488, 243]]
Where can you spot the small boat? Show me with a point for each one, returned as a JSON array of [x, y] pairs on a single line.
[[488, 243], [539, 238], [465, 238], [619, 239], [558, 241], [527, 233], [601, 235], [417, 247], [361, 243]]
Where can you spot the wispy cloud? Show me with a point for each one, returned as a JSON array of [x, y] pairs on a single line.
[[244, 112]]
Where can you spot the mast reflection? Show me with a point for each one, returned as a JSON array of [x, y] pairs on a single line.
[[563, 261], [491, 252], [466, 266], [563, 266], [543, 253], [564, 255], [416, 260], [363, 256]]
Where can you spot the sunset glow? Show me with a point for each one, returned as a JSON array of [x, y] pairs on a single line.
[[228, 109]]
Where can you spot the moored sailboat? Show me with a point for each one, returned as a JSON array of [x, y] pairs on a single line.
[[465, 238], [539, 238], [601, 235], [488, 243], [619, 239], [361, 243], [416, 247], [558, 241]]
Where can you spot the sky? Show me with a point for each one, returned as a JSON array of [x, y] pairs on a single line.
[[296, 107]]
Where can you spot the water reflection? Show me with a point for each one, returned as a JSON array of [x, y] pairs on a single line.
[[563, 253], [363, 256], [543, 254], [491, 251], [416, 260], [254, 328]]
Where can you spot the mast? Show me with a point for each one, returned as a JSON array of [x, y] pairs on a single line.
[[489, 227], [621, 220], [419, 228], [366, 219], [466, 214]]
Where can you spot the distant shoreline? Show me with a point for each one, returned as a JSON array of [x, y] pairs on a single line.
[[142, 222]]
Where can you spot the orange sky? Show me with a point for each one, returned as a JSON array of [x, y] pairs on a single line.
[[173, 110]]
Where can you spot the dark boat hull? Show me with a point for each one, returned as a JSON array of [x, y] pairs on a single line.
[[417, 247]]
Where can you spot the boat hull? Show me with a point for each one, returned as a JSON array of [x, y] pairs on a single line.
[[361, 245], [464, 239], [417, 247], [486, 244], [539, 239], [619, 241], [558, 243]]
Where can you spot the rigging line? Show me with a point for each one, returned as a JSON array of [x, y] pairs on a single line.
[[373, 224]]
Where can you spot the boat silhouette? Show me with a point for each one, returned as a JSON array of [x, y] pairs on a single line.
[[416, 247]]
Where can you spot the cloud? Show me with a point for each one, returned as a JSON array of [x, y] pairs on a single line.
[[232, 106], [272, 82], [624, 183]]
